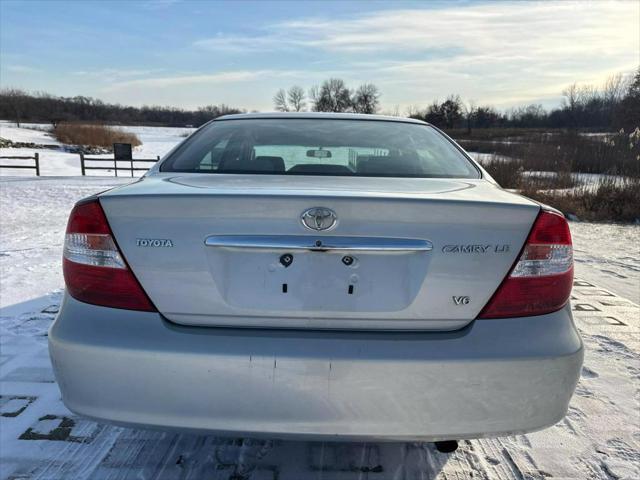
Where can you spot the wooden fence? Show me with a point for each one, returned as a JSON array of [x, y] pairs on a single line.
[[115, 165], [35, 157]]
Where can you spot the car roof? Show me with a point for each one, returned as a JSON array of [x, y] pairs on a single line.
[[318, 115]]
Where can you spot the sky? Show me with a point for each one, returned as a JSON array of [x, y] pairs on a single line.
[[187, 53]]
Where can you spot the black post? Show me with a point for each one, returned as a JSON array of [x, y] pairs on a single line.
[[37, 157], [82, 163], [115, 165], [131, 167]]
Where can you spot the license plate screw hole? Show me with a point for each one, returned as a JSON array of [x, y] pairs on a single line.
[[347, 260], [286, 260]]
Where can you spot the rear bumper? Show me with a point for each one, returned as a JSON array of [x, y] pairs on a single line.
[[494, 377]]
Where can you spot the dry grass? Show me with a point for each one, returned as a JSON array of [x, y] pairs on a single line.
[[508, 173], [94, 135], [562, 151], [556, 155], [612, 200], [494, 134]]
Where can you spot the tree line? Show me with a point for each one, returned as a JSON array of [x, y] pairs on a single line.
[[612, 105], [21, 106], [615, 104], [332, 95]]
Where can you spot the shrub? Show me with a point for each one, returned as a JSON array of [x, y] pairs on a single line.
[[94, 135], [547, 180], [615, 200], [508, 173]]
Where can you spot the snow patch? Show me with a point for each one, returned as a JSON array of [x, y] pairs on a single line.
[[156, 142]]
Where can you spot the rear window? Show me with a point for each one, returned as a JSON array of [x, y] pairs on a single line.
[[320, 147]]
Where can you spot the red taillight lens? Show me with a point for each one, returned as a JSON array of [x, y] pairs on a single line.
[[94, 269], [540, 282]]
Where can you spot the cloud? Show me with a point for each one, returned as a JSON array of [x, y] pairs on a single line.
[[111, 73], [502, 53], [198, 79], [239, 43], [21, 69], [568, 27], [499, 52]]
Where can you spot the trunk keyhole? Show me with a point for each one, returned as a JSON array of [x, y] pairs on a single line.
[[350, 290], [284, 288]]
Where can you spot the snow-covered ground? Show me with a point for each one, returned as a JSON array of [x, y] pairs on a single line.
[[41, 439], [609, 255], [581, 181], [156, 141], [27, 133]]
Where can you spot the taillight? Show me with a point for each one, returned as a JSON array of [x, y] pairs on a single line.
[[540, 282], [94, 269]]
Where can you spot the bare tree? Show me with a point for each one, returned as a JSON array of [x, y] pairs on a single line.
[[570, 94], [296, 98], [571, 101], [627, 113], [332, 96], [414, 111], [314, 95], [616, 86], [366, 99], [15, 99], [450, 110], [280, 101], [486, 117], [613, 91], [469, 112], [533, 115]]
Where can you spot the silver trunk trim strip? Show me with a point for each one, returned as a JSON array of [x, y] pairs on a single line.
[[319, 243]]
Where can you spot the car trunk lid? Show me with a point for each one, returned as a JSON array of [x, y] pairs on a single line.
[[213, 250]]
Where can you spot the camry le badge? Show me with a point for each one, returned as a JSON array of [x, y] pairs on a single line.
[[475, 248], [319, 218]]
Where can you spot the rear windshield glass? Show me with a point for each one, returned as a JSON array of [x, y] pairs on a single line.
[[320, 147]]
